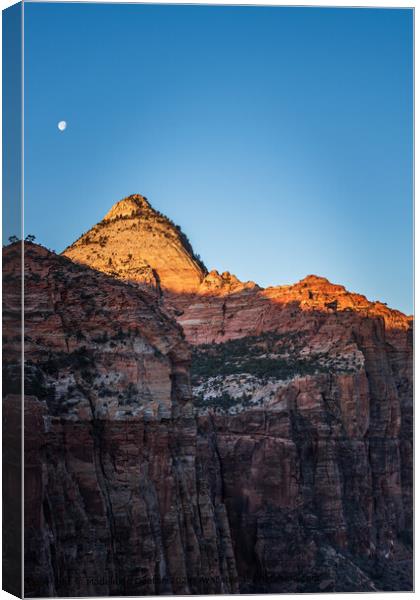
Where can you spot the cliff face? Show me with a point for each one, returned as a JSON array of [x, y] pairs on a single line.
[[309, 389], [287, 467], [116, 501], [12, 426], [136, 243]]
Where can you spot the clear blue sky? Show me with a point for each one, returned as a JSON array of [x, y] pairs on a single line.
[[280, 139]]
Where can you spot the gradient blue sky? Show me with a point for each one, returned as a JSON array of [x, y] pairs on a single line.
[[280, 139]]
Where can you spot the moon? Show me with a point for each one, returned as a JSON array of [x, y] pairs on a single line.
[[62, 125]]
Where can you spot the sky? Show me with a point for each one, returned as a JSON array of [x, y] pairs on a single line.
[[280, 139]]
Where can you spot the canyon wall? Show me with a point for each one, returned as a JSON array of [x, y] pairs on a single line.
[[307, 390], [187, 432], [115, 500]]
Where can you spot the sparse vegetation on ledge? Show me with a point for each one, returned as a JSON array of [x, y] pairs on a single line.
[[269, 355]]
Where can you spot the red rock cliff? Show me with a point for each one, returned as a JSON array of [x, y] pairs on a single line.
[[115, 497], [299, 469], [304, 401], [309, 389]]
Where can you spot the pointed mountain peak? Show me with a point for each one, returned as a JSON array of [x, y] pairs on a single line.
[[128, 207], [137, 243]]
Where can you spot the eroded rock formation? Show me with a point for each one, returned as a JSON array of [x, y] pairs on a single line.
[[116, 501], [309, 389], [286, 468]]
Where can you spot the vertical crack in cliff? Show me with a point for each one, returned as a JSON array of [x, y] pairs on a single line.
[[215, 447], [97, 434]]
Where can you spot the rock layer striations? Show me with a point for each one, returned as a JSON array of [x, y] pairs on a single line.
[[116, 500]]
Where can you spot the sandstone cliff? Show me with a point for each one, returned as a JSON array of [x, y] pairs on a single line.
[[306, 393], [115, 498], [309, 389], [296, 438]]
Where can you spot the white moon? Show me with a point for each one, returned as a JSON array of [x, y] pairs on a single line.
[[62, 125]]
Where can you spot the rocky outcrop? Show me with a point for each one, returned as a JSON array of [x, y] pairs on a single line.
[[116, 501], [225, 308], [136, 243]]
